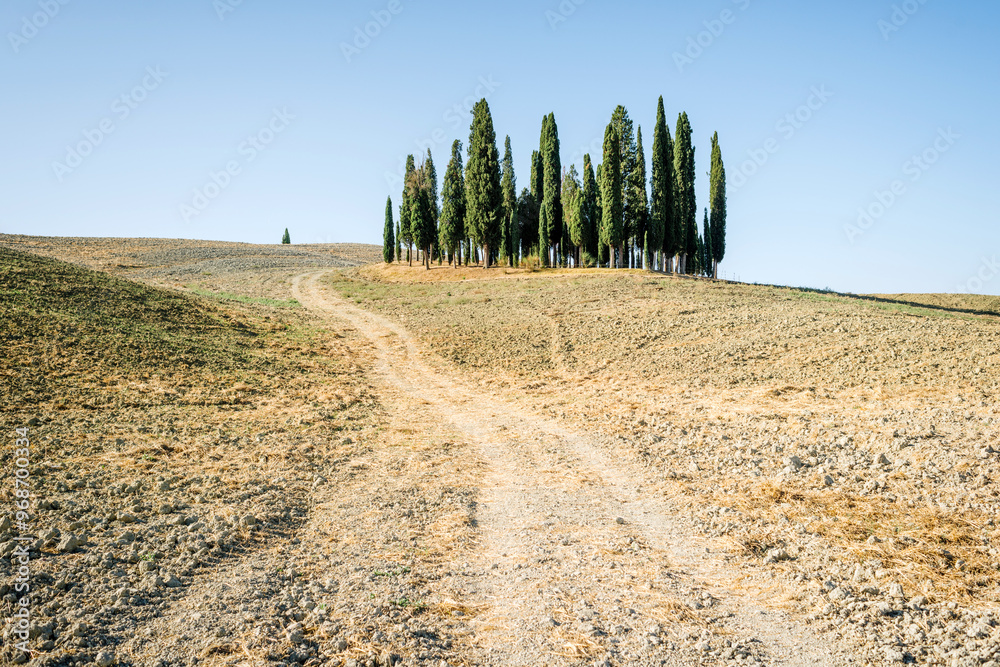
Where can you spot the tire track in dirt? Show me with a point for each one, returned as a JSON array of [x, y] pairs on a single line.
[[575, 562]]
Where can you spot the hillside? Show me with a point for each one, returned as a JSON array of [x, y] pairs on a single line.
[[187, 453], [274, 455]]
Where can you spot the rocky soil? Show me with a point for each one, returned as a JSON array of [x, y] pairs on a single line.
[[844, 449], [424, 468]]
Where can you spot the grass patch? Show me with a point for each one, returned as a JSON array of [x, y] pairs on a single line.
[[239, 298]]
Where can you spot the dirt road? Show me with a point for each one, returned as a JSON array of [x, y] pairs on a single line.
[[578, 556]]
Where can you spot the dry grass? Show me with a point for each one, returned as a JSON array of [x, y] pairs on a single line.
[[939, 554]]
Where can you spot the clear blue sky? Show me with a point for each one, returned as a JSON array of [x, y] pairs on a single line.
[[331, 129]]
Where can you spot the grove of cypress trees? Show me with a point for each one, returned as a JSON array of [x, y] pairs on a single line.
[[611, 194], [285, 238], [406, 210], [590, 215], [717, 199], [660, 210], [640, 202], [453, 208], [508, 185], [388, 235], [686, 202], [483, 197]]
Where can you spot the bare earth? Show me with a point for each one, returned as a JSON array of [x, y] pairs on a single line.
[[557, 468]]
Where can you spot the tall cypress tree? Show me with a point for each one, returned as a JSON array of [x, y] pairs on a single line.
[[388, 234], [686, 202], [432, 193], [508, 184], [483, 197], [406, 210], [601, 257], [285, 238], [640, 204], [526, 218], [453, 209], [706, 247], [590, 215], [660, 214], [572, 200], [717, 199], [530, 224], [421, 212], [543, 213], [551, 214], [626, 137], [399, 246], [611, 194]]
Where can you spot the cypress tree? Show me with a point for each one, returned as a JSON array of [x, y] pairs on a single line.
[[432, 193], [590, 214], [285, 238], [399, 249], [660, 213], [483, 197], [406, 210], [421, 214], [388, 235], [543, 213], [551, 214], [706, 246], [572, 199], [526, 218], [453, 208], [717, 199], [508, 184], [626, 138], [686, 202], [601, 257], [611, 194], [641, 202], [530, 224]]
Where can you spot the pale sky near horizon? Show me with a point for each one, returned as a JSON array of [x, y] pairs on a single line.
[[858, 137]]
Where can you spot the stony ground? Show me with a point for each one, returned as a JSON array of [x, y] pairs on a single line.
[[406, 467]]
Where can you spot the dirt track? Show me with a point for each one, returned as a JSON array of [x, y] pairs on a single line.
[[575, 559]]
